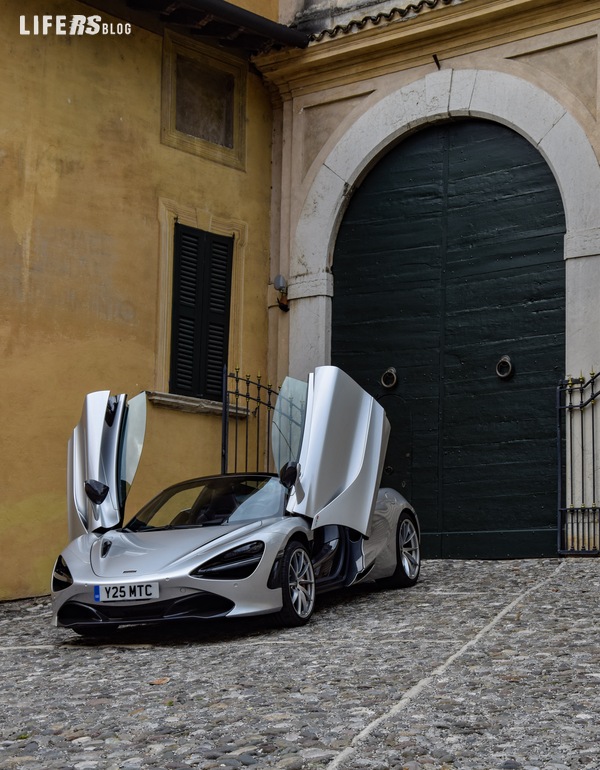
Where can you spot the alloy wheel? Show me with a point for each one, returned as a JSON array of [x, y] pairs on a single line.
[[408, 545], [301, 583]]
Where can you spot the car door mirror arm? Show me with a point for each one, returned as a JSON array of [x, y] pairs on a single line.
[[96, 491]]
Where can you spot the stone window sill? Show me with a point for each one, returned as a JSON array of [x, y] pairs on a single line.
[[184, 403], [193, 405]]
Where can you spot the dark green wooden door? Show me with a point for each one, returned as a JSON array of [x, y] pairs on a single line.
[[448, 260]]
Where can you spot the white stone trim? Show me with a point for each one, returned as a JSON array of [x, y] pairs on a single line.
[[583, 243], [498, 96]]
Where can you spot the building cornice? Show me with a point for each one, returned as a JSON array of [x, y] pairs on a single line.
[[444, 30]]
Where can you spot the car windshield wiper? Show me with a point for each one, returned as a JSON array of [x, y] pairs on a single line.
[[147, 528], [163, 527]]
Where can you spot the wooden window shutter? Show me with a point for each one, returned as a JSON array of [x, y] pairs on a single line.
[[200, 316]]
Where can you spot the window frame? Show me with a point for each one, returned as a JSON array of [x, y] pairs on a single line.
[[177, 45], [169, 212]]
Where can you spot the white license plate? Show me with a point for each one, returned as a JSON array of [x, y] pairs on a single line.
[[125, 592]]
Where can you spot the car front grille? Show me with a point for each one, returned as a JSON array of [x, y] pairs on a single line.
[[200, 606]]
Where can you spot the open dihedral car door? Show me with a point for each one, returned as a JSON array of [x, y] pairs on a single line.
[[103, 456], [342, 452]]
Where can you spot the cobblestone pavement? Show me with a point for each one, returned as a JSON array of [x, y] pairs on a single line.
[[482, 665]]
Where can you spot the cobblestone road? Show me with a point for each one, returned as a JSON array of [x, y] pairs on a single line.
[[482, 665]]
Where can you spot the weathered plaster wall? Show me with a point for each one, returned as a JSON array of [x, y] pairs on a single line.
[[267, 8], [82, 173], [320, 14], [346, 100]]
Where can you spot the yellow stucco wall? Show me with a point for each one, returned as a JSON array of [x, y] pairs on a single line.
[[267, 8], [82, 171]]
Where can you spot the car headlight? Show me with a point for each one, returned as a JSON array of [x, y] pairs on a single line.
[[235, 564], [61, 575]]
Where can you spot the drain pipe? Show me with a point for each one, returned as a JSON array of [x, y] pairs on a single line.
[[224, 11]]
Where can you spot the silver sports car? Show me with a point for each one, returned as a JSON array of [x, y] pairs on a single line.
[[234, 544]]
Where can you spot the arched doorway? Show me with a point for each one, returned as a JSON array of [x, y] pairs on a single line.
[[449, 267]]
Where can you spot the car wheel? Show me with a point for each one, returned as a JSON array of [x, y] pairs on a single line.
[[408, 555], [297, 586]]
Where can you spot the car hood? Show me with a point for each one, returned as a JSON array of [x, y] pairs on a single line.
[[127, 555]]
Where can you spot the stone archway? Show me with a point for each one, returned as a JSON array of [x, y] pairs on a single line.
[[498, 96]]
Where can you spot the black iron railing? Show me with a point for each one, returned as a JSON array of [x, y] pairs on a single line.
[[578, 471], [262, 425], [248, 406]]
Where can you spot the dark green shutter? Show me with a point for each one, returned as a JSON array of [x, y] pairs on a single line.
[[215, 327], [200, 317]]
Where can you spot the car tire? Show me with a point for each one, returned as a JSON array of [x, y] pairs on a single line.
[[408, 555], [297, 586]]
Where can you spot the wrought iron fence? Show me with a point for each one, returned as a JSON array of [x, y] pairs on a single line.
[[578, 471], [248, 406], [262, 425]]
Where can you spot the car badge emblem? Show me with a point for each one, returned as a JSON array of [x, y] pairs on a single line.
[[106, 544]]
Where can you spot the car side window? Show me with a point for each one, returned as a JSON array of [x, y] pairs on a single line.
[[267, 501]]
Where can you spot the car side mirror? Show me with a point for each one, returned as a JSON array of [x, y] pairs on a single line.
[[96, 491], [288, 475]]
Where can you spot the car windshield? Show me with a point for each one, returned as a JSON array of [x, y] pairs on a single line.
[[212, 502]]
